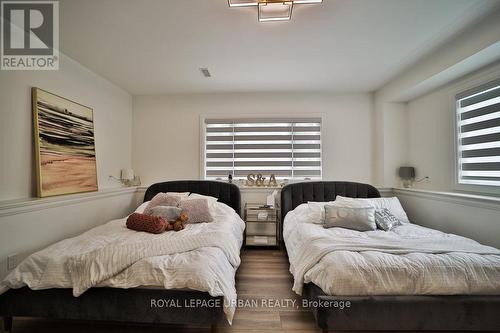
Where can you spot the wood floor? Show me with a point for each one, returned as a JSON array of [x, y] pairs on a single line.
[[262, 277]]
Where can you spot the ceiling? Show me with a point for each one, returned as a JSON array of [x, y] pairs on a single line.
[[158, 46]]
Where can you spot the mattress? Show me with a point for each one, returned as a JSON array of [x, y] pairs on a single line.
[[463, 268]]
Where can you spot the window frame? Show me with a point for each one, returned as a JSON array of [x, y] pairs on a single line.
[[202, 132], [482, 82]]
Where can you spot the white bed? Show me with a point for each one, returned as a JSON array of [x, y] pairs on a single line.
[[410, 260], [205, 258]]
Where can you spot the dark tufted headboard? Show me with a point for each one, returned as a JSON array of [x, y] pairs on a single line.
[[226, 193], [295, 194]]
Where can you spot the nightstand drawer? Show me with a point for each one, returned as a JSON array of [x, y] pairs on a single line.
[[261, 241], [261, 228]]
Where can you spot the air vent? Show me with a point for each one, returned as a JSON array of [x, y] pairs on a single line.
[[205, 72]]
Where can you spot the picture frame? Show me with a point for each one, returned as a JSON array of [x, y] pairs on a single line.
[[64, 145]]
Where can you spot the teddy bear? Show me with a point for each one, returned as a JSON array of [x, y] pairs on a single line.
[[178, 224]]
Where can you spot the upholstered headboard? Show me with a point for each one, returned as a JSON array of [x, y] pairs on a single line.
[[293, 195], [226, 193]]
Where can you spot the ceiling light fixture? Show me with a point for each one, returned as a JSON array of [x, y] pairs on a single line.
[[272, 10]]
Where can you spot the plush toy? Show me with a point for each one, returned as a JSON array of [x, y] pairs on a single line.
[[178, 224]]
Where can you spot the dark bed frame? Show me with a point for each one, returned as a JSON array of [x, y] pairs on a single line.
[[126, 305], [461, 312]]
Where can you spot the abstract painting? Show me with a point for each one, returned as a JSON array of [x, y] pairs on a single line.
[[65, 146]]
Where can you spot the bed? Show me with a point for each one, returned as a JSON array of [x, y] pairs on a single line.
[[147, 303], [378, 309]]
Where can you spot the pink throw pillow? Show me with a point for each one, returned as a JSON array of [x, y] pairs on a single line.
[[147, 223], [197, 210], [162, 199]]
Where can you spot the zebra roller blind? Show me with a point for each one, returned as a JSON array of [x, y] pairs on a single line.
[[478, 129], [289, 148]]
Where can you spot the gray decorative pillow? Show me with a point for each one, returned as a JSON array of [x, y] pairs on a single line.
[[197, 210], [169, 213], [385, 220], [361, 219]]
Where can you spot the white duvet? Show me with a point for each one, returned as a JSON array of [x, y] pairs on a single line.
[[203, 256], [410, 260]]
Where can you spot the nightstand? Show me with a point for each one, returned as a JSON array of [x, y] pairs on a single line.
[[261, 225]]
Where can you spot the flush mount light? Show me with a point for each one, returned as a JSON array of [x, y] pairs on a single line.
[[275, 11], [272, 10]]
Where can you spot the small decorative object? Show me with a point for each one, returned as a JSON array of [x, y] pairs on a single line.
[[407, 174], [272, 180], [271, 199], [127, 174], [262, 216], [260, 180], [65, 145], [178, 224], [128, 178], [250, 180], [230, 178]]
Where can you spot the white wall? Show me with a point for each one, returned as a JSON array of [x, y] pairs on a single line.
[[390, 141], [431, 131], [414, 124], [431, 139], [166, 130], [476, 218], [112, 119], [25, 232], [469, 50]]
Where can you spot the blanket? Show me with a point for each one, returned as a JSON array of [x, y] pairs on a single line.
[[89, 269], [409, 260]]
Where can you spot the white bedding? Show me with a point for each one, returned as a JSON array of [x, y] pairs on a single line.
[[207, 262], [410, 260]]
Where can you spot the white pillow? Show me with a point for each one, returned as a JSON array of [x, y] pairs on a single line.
[[183, 195], [141, 208], [211, 201], [200, 196], [392, 204], [317, 211]]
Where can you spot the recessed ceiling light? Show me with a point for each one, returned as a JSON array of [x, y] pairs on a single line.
[[205, 72]]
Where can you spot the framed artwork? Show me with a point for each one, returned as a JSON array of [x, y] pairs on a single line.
[[65, 145]]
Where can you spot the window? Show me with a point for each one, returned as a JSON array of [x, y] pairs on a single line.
[[288, 148], [478, 135]]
